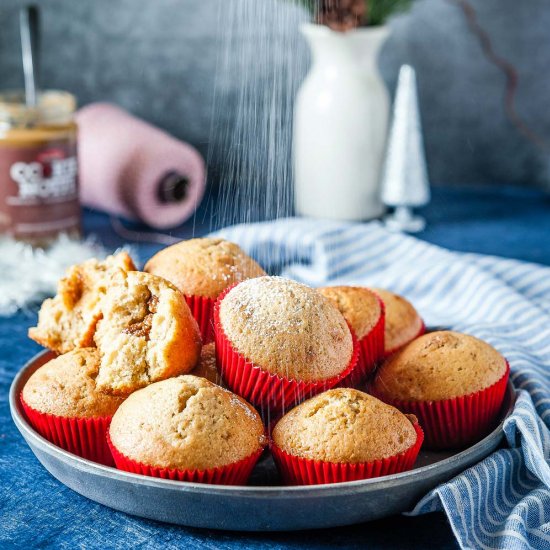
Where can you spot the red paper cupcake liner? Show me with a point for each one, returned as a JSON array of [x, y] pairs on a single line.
[[84, 437], [303, 471], [236, 473], [271, 393], [202, 308], [418, 335], [457, 422], [371, 352]]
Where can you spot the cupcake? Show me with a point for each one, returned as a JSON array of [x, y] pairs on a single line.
[[63, 404], [403, 324], [146, 333], [207, 367], [344, 435], [68, 320], [202, 269], [453, 383], [279, 342], [187, 429], [364, 312]]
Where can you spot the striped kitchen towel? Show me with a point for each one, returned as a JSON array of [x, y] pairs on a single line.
[[504, 501]]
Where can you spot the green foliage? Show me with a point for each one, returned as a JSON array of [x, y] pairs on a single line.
[[378, 11]]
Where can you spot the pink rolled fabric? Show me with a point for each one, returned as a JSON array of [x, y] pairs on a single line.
[[132, 169]]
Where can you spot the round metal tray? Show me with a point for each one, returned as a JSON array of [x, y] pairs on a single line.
[[256, 507]]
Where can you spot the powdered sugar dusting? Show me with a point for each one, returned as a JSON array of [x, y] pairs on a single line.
[[286, 327]]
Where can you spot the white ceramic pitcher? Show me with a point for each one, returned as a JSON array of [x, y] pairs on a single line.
[[340, 125]]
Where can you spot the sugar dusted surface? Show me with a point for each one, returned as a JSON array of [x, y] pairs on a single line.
[[286, 328]]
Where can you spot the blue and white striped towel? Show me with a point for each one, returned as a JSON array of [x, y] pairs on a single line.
[[504, 501]]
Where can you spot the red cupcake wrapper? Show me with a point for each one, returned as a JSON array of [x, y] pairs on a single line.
[[202, 308], [371, 352], [269, 392], [418, 335], [84, 437], [457, 422], [236, 473], [303, 471]]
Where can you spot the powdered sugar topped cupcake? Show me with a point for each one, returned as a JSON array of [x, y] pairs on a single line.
[[279, 341]]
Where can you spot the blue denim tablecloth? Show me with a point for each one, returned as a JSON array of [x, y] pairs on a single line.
[[37, 511]]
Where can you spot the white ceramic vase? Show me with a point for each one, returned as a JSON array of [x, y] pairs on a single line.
[[340, 126]]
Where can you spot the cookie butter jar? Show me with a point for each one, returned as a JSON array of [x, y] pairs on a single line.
[[38, 167]]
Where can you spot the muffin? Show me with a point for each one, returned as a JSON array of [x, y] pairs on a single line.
[[146, 333], [207, 367], [63, 404], [342, 435], [364, 312], [279, 342], [68, 320], [187, 428], [202, 269], [403, 324], [454, 383]]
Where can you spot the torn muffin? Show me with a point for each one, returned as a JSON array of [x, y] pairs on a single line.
[[146, 333], [68, 320]]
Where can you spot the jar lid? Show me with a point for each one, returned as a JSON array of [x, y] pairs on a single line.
[[53, 107]]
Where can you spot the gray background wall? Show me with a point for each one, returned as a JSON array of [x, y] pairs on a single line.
[[163, 60]]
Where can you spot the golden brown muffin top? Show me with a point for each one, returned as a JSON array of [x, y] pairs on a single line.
[[65, 386], [402, 321], [147, 333], [68, 320], [439, 365], [286, 328], [203, 267], [359, 306], [344, 425], [186, 423], [207, 367]]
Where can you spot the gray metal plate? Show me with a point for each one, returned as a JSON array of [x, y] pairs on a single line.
[[255, 507]]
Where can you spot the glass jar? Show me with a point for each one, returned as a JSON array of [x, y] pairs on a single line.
[[38, 167]]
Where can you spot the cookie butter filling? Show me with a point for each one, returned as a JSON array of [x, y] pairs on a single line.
[[143, 327]]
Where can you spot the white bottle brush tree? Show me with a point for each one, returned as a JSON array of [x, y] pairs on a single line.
[[404, 180]]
